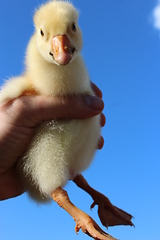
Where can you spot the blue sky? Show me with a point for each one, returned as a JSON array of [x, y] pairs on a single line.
[[122, 53]]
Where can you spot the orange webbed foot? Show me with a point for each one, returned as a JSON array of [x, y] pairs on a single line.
[[90, 227]]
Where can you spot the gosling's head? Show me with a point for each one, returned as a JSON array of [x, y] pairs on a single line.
[[59, 38]]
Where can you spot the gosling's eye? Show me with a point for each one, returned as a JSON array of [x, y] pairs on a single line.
[[41, 32], [74, 28]]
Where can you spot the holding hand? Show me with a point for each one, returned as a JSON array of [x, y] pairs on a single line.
[[18, 120]]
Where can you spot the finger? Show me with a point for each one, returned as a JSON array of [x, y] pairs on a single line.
[[96, 90], [73, 107], [103, 120], [31, 110], [100, 143]]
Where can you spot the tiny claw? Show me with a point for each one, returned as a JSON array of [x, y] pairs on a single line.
[[77, 229], [93, 205]]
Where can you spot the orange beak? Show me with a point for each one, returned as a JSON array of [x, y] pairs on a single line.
[[62, 49]]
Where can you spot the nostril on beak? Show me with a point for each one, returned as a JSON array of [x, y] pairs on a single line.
[[51, 54], [73, 50]]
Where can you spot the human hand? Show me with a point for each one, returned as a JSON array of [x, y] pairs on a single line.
[[18, 120]]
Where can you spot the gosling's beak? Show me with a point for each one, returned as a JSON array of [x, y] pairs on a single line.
[[62, 50]]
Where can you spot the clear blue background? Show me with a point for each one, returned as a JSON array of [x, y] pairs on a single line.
[[122, 53]]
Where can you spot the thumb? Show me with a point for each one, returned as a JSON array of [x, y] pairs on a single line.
[[30, 110]]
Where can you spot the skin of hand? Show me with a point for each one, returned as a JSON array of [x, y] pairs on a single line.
[[18, 120]]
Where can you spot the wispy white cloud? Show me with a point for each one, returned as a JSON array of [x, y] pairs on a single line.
[[156, 16]]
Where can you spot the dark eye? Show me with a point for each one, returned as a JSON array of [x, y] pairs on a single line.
[[41, 32], [74, 28]]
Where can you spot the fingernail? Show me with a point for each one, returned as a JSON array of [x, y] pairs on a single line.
[[94, 102]]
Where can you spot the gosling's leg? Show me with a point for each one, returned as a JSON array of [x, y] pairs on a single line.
[[108, 213], [83, 221]]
